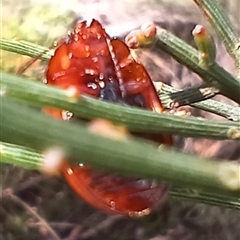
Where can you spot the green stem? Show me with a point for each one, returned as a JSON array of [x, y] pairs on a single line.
[[192, 95], [34, 50], [26, 48], [205, 197], [135, 119], [188, 56], [29, 158], [129, 156], [169, 43], [221, 23], [20, 156], [225, 110], [205, 45]]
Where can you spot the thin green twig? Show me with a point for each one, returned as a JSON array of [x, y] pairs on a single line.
[[129, 156], [20, 156], [188, 56], [216, 16], [135, 119], [26, 48], [168, 95], [205, 197], [34, 50], [29, 158]]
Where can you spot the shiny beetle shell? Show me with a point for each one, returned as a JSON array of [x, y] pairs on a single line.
[[102, 67]]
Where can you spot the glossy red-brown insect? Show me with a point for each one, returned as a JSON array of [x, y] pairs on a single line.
[[103, 67]]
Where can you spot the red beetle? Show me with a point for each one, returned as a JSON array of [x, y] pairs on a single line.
[[103, 67]]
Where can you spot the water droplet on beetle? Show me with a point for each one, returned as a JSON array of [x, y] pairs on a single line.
[[70, 55], [101, 84], [75, 38], [95, 59], [89, 71], [87, 48], [87, 54], [113, 205], [66, 115], [92, 85], [102, 52], [101, 76], [69, 171]]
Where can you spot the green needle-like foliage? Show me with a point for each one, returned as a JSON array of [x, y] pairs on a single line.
[[128, 156], [26, 133], [216, 16], [135, 119], [29, 158]]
